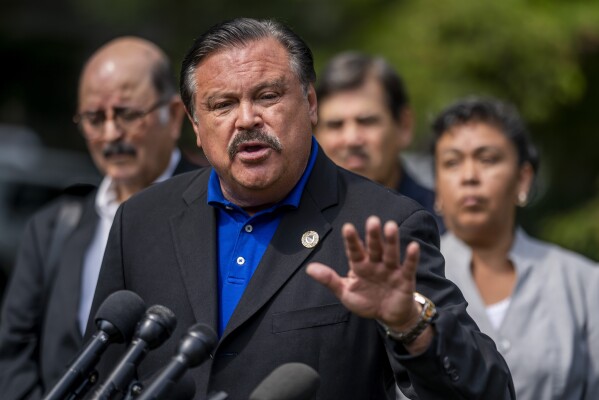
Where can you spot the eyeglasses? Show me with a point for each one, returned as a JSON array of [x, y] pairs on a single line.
[[91, 123]]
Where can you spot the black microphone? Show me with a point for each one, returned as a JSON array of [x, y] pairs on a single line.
[[292, 381], [185, 389], [194, 348], [115, 319], [156, 326]]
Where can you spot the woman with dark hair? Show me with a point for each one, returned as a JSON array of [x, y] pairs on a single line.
[[536, 300]]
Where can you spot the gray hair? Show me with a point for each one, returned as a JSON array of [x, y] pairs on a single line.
[[238, 33]]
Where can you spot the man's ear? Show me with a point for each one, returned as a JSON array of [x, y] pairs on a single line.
[[176, 114], [405, 127], [196, 127]]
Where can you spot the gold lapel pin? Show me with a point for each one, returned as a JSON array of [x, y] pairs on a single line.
[[310, 239]]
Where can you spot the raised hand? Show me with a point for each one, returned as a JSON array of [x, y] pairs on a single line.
[[377, 285]]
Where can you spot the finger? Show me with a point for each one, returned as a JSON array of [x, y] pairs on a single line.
[[411, 261], [327, 277], [391, 247], [374, 239], [354, 248]]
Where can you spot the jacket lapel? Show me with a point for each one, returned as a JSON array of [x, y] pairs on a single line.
[[67, 290], [194, 238], [286, 253]]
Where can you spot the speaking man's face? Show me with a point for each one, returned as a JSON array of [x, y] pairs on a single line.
[[254, 121]]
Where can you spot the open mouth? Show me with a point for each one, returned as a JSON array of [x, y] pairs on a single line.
[[253, 151], [251, 148]]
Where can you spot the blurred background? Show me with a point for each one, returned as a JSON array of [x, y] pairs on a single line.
[[541, 55]]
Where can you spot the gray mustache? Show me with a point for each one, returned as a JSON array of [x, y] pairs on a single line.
[[118, 148], [253, 135]]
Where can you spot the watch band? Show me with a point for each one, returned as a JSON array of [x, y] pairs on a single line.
[[429, 311]]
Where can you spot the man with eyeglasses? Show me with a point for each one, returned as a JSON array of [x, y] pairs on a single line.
[[130, 115]]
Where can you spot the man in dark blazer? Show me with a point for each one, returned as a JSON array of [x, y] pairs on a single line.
[[130, 115], [265, 247], [365, 121]]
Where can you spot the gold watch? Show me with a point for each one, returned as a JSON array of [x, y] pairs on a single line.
[[428, 313]]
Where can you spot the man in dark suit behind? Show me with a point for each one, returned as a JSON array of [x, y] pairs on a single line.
[[130, 115], [266, 246], [365, 121]]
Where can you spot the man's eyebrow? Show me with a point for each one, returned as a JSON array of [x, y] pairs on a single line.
[[368, 117], [279, 84], [451, 150], [487, 148], [208, 101]]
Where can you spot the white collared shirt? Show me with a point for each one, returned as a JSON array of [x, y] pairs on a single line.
[[106, 207]]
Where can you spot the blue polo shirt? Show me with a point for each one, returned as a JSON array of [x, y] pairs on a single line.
[[242, 239]]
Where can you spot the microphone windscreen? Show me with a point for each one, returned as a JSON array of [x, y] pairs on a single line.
[[156, 326], [292, 381], [164, 316], [123, 309], [197, 344]]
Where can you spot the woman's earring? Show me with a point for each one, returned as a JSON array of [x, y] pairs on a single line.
[[522, 199], [437, 208]]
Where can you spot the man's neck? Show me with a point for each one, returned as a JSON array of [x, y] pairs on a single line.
[[394, 177]]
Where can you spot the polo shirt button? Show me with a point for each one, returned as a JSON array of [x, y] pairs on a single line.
[[240, 260], [249, 228]]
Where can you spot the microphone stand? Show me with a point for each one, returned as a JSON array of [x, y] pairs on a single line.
[[135, 389], [84, 387]]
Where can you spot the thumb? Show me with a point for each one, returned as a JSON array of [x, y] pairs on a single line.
[[326, 276]]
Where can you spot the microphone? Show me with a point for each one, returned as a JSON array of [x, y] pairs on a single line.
[[115, 319], [155, 327], [291, 381], [194, 349], [185, 389]]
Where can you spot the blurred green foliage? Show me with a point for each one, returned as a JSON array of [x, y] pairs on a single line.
[[541, 55], [527, 52], [577, 229]]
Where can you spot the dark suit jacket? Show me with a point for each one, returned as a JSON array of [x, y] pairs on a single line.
[[163, 246], [39, 332]]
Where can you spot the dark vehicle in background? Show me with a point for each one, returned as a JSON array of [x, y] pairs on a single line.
[[31, 175]]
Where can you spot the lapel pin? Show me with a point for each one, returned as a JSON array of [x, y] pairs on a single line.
[[310, 239]]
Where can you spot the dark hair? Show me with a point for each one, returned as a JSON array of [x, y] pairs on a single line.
[[350, 70], [238, 33], [501, 115], [163, 78]]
